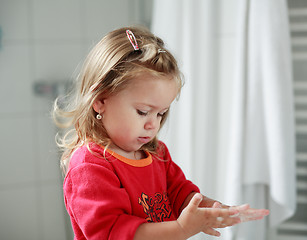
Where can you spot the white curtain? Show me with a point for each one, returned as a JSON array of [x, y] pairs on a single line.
[[187, 30], [234, 137], [261, 153]]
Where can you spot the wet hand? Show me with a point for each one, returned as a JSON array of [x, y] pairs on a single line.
[[245, 213], [195, 219]]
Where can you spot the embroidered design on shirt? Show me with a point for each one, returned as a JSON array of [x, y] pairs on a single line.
[[157, 207]]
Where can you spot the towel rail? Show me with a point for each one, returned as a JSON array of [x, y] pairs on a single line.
[[297, 12], [300, 85], [301, 129], [292, 237], [301, 115], [301, 157], [301, 171], [298, 27], [301, 199], [301, 185], [302, 100], [295, 226], [299, 56], [299, 41]]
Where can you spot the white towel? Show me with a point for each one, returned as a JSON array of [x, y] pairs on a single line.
[[261, 162]]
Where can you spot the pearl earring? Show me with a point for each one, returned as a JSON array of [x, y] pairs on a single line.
[[98, 116]]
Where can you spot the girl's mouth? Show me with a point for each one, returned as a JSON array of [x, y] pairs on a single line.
[[144, 139]]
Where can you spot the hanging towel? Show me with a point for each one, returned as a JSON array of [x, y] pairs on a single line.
[[261, 155]]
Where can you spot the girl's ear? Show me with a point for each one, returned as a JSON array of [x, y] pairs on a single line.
[[98, 105]]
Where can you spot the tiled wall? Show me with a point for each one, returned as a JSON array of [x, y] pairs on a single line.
[[42, 40]]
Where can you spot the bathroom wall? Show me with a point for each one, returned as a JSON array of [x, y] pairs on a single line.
[[43, 41]]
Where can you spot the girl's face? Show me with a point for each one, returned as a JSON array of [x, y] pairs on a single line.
[[132, 117]]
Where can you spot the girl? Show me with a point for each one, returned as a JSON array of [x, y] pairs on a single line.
[[121, 182]]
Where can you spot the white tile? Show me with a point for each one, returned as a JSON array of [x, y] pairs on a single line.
[[53, 212], [42, 104], [56, 20], [14, 19], [57, 61], [18, 165], [16, 88], [55, 65], [47, 151], [19, 214], [104, 16]]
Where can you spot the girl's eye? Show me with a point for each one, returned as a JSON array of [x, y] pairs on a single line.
[[161, 114], [142, 113]]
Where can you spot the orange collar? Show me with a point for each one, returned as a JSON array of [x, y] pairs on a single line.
[[135, 163]]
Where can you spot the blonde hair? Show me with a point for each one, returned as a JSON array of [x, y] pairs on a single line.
[[108, 69]]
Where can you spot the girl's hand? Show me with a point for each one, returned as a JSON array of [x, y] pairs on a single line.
[[245, 213], [195, 219]]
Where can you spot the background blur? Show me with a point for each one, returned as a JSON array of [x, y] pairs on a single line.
[[42, 44]]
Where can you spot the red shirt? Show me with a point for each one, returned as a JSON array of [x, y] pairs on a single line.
[[108, 196]]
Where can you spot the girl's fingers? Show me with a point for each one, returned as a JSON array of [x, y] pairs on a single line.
[[230, 221], [241, 208], [196, 200], [225, 222], [227, 212], [263, 212], [219, 218], [252, 214], [216, 212], [255, 212], [211, 231], [247, 218], [217, 205]]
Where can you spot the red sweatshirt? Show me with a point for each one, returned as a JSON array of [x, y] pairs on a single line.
[[109, 196]]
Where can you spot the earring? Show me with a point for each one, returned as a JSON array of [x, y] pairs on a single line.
[[98, 116]]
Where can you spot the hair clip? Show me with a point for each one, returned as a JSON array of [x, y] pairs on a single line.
[[161, 50], [132, 40]]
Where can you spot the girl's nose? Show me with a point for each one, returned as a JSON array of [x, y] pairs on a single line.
[[152, 123]]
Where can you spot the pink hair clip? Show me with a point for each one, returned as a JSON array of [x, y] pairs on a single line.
[[132, 40]]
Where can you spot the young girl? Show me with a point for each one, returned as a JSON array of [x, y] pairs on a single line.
[[121, 182]]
